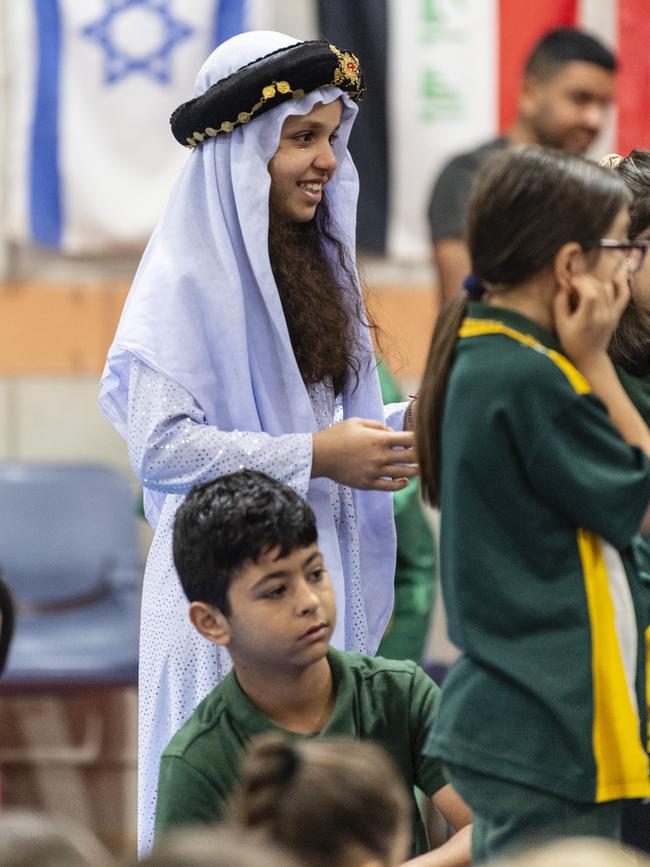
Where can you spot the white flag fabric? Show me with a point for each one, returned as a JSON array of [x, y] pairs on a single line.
[[442, 93], [92, 156]]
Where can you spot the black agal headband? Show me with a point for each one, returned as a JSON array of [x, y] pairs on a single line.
[[288, 73]]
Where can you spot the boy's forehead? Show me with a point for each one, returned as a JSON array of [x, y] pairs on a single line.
[[273, 560]]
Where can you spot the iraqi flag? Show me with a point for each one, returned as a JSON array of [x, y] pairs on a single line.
[[93, 83], [444, 75]]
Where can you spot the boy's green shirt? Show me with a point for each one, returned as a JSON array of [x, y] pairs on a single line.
[[390, 703]]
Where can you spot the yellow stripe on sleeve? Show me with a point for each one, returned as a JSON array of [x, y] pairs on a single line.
[[647, 685], [479, 327], [621, 761]]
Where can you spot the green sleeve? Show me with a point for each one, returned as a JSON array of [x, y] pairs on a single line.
[[584, 470], [390, 391], [415, 571], [415, 578], [423, 707], [185, 796]]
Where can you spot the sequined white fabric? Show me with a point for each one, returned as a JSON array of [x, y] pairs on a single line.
[[171, 448]]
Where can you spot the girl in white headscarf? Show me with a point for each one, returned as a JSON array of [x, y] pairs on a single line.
[[243, 343]]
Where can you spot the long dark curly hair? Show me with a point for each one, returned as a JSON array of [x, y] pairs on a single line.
[[322, 305]]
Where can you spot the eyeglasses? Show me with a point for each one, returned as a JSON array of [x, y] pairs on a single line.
[[635, 251]]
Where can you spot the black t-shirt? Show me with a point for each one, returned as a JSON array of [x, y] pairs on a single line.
[[453, 189]]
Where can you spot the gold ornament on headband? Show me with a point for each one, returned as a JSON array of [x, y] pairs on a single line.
[[288, 73], [610, 161], [349, 70]]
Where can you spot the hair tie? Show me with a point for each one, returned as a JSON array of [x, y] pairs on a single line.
[[611, 161], [474, 286]]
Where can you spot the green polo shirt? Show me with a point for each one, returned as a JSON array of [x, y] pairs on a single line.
[[540, 500], [390, 703], [638, 389]]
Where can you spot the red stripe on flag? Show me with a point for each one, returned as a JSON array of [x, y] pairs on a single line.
[[634, 76], [520, 26]]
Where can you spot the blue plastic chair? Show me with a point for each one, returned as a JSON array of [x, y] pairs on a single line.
[[69, 553]]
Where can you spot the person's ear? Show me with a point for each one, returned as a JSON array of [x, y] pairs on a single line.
[[569, 262], [210, 622], [531, 88]]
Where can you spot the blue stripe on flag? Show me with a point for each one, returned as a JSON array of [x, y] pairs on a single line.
[[45, 188], [230, 19]]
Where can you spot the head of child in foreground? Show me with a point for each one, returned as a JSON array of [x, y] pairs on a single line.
[[28, 838], [245, 548], [540, 221], [576, 852], [331, 802], [218, 846]]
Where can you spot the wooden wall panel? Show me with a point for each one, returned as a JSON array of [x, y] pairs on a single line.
[[65, 330], [57, 329]]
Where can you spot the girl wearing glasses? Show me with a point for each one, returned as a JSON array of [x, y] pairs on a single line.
[[630, 346], [630, 352], [539, 463]]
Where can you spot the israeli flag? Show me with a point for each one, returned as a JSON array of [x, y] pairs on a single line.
[[92, 158]]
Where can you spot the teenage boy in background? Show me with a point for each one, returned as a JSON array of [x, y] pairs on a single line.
[[566, 93]]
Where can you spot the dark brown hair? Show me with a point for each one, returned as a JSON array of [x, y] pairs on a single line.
[[630, 346], [322, 305], [527, 204], [233, 520], [323, 799], [567, 45]]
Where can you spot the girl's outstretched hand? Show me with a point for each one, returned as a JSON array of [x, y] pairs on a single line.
[[587, 313], [363, 453]]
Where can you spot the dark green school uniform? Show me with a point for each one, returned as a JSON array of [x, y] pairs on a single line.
[[540, 500], [638, 389], [390, 703], [636, 814]]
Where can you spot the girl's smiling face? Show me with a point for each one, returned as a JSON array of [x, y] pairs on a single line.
[[304, 162]]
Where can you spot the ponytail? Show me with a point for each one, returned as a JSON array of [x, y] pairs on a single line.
[[431, 399], [325, 800], [268, 769]]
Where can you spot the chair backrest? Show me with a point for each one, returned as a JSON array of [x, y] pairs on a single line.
[[66, 530], [7, 619]]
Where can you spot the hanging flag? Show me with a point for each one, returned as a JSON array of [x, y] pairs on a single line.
[[443, 76], [92, 157], [521, 25], [90, 153], [634, 77], [430, 69], [363, 29], [442, 97]]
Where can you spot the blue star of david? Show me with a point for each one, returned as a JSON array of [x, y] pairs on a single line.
[[119, 63]]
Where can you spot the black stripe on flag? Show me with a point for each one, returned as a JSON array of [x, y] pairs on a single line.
[[361, 27]]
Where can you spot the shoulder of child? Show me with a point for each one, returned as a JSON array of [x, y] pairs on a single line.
[[204, 719], [377, 669]]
